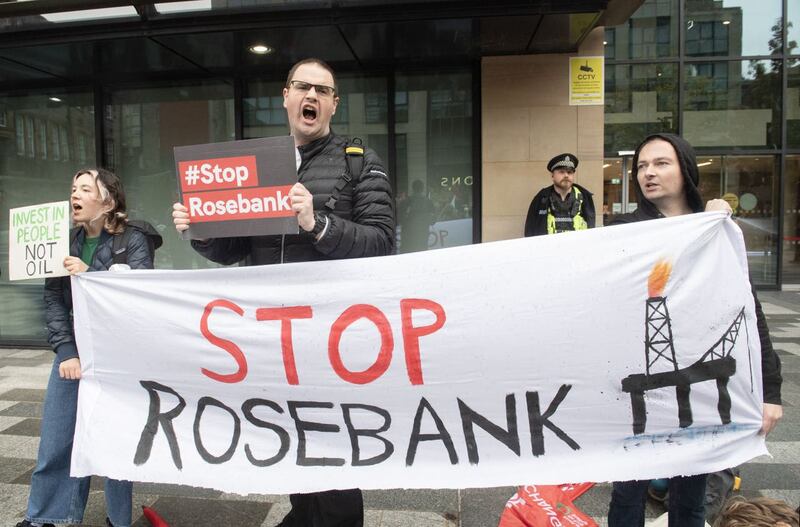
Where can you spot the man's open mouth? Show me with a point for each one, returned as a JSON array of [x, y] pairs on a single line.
[[309, 113]]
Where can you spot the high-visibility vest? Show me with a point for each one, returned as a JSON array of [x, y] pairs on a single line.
[[578, 223]]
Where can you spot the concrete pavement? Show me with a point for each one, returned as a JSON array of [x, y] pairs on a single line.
[[23, 377]]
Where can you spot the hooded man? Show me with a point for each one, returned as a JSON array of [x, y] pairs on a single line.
[[666, 185], [563, 206]]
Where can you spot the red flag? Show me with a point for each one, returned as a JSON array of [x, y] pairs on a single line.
[[153, 517], [546, 505]]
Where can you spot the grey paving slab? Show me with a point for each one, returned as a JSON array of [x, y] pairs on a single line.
[[181, 511], [7, 422], [162, 489], [32, 354], [4, 405], [13, 502], [418, 499], [774, 477], [782, 452], [25, 427], [11, 361], [483, 507], [12, 468], [22, 394], [23, 447], [23, 409]]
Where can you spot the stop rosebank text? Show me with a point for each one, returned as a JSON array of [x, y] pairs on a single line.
[[163, 421]]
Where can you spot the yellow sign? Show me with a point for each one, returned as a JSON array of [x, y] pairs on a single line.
[[586, 80], [732, 199]]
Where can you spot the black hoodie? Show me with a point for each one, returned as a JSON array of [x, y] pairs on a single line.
[[646, 210]]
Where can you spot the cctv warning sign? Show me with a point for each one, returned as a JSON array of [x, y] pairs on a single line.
[[238, 188], [586, 80]]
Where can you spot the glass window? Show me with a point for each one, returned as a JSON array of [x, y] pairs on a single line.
[[733, 27], [19, 123], [29, 149], [434, 162], [734, 103], [793, 104], [791, 225], [793, 28], [142, 127], [27, 180], [640, 99], [652, 32], [752, 182], [55, 148], [41, 128], [612, 189]]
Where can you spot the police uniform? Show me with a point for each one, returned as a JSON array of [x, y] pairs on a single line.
[[549, 214]]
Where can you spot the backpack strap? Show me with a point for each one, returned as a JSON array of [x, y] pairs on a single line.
[[119, 246], [354, 157]]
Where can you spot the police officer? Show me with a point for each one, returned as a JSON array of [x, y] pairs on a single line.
[[563, 206]]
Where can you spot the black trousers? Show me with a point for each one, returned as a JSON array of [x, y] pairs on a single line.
[[332, 508]]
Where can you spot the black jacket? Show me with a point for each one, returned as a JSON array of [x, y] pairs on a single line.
[[362, 223], [536, 221], [646, 210], [58, 291]]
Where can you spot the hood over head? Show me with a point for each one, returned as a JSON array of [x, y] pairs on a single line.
[[688, 164]]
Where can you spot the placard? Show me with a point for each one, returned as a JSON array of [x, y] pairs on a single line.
[[38, 240], [238, 188]]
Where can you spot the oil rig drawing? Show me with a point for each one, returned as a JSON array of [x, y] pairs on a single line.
[[662, 369]]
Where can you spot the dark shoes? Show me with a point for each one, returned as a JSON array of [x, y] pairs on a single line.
[[26, 523]]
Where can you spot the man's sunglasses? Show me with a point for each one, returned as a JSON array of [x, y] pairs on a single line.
[[321, 89]]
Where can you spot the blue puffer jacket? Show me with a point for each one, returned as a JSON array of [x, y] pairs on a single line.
[[58, 291]]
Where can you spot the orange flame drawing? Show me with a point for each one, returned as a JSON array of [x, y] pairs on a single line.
[[658, 278]]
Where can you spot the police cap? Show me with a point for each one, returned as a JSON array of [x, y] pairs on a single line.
[[568, 161]]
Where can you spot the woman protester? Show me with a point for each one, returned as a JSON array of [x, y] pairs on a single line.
[[98, 212]]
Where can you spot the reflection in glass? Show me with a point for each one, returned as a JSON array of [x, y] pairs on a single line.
[[733, 27], [793, 29], [142, 127], [434, 161], [652, 32], [733, 103], [791, 225], [750, 183], [612, 189], [640, 100], [31, 173], [793, 104]]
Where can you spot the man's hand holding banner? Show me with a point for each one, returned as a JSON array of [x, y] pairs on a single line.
[[611, 354]]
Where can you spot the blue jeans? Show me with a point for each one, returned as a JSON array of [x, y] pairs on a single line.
[[55, 497], [687, 505]]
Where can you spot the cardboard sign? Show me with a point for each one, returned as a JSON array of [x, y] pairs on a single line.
[[474, 366], [586, 81], [38, 240], [238, 188]]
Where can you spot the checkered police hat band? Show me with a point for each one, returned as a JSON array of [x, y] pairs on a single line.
[[564, 164]]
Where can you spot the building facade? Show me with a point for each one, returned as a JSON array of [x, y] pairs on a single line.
[[465, 102]]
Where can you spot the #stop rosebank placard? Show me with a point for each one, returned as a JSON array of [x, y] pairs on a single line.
[[238, 188]]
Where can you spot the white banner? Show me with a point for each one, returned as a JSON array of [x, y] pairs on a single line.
[[608, 354]]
